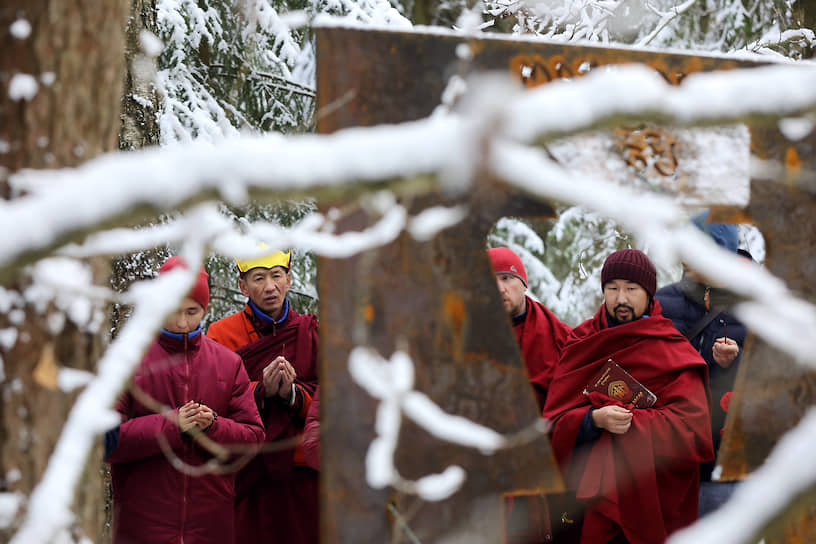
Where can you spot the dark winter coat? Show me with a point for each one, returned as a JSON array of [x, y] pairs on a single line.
[[153, 501], [684, 303]]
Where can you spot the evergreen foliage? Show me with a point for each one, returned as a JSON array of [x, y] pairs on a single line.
[[229, 68]]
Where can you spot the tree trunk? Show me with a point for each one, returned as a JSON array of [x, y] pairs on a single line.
[[140, 101], [61, 73]]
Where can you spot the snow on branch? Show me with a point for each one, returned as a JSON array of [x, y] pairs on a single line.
[[112, 188], [613, 95], [392, 382], [314, 233], [665, 19], [742, 518], [49, 508]]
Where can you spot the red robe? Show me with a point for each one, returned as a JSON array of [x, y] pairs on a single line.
[[311, 433], [540, 335], [277, 493], [154, 501], [646, 480]]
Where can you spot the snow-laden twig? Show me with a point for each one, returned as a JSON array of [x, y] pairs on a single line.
[[313, 233], [177, 177], [666, 19], [742, 518], [804, 35], [49, 508], [391, 382], [614, 95]]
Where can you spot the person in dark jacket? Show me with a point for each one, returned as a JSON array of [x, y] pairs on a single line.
[[277, 492], [699, 312], [188, 414]]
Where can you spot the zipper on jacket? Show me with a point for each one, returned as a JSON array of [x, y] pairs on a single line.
[[186, 446]]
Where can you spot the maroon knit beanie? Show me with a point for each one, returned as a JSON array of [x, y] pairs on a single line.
[[505, 261], [200, 291], [632, 265]]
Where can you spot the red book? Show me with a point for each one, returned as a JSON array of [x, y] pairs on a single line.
[[614, 382]]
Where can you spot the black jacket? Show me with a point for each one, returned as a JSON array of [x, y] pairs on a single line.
[[684, 303]]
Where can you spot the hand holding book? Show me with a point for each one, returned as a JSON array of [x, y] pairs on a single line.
[[614, 382]]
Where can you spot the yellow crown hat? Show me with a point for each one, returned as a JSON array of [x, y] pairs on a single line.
[[270, 260]]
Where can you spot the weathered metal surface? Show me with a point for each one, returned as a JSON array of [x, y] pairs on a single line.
[[772, 391], [391, 77], [438, 300], [399, 76], [439, 297]]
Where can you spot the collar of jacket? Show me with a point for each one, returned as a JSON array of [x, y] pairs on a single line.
[[266, 319], [172, 341]]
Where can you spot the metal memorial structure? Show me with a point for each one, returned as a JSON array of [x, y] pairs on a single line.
[[437, 299]]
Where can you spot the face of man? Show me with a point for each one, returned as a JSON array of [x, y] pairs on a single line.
[[512, 292], [267, 288], [186, 318], [625, 300]]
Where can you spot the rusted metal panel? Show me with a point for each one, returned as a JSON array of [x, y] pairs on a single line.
[[467, 360], [772, 391], [392, 77], [438, 300]]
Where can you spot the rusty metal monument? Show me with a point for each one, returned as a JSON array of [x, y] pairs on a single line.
[[439, 297]]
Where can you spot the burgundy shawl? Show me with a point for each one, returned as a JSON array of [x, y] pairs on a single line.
[[540, 336], [647, 479], [295, 339]]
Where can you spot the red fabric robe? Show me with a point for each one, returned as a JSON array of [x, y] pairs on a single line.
[[540, 336], [277, 493], [646, 480], [154, 501], [311, 433]]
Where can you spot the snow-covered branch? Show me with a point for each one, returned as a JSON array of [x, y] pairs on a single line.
[[665, 19], [49, 508], [268, 167], [392, 382], [361, 159], [743, 517], [614, 95]]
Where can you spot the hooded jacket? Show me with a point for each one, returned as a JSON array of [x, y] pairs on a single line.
[[153, 501], [684, 303]]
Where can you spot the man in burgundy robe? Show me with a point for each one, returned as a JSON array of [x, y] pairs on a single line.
[[635, 469], [540, 336], [277, 492], [539, 333]]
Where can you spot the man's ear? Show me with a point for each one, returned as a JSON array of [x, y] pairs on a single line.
[[242, 286]]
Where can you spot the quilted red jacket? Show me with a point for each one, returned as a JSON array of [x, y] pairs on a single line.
[[154, 501]]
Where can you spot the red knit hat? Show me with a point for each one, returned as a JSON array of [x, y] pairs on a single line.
[[632, 265], [200, 291], [505, 261]]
